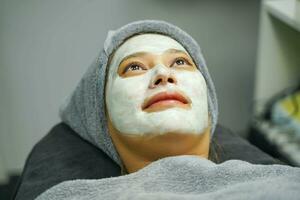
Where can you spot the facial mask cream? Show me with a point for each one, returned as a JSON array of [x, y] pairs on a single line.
[[125, 96]]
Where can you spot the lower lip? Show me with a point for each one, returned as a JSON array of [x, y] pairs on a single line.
[[166, 103]]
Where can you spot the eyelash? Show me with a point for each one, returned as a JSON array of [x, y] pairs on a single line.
[[181, 58], [132, 64]]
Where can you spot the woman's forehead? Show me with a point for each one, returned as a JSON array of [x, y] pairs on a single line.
[[154, 43]]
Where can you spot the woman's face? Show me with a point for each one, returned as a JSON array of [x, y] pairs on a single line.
[[154, 87]]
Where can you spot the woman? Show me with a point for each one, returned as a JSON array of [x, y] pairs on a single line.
[[157, 66], [149, 103]]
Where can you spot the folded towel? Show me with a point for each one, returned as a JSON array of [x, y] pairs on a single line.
[[188, 177]]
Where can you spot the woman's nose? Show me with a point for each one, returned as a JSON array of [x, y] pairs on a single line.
[[162, 79]]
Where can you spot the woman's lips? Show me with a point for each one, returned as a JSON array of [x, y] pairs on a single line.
[[166, 100]]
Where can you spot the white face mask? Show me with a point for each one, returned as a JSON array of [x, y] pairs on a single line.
[[125, 96]]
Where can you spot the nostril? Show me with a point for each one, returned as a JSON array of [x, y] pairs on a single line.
[[170, 80], [157, 82]]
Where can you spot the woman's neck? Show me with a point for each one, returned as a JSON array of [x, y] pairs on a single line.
[[137, 152]]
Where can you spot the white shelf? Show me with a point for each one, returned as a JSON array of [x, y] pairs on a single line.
[[278, 60], [285, 10], [278, 67]]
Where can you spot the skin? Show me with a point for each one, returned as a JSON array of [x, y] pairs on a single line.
[[137, 151]]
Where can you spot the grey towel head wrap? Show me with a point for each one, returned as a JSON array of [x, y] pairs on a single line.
[[84, 109]]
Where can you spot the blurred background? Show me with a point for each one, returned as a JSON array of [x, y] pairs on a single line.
[[46, 46]]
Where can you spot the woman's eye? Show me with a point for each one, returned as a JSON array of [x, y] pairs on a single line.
[[133, 67], [180, 62]]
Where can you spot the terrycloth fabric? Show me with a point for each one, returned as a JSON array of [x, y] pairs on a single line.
[[188, 177], [84, 110], [67, 151]]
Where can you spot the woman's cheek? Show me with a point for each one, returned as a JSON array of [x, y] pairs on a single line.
[[130, 89], [193, 83]]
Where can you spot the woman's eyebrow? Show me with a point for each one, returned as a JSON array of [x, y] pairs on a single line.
[[174, 51], [143, 53], [137, 54]]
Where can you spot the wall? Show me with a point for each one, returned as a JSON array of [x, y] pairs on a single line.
[[46, 46]]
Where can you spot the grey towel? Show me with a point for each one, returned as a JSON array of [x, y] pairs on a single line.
[[188, 177]]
